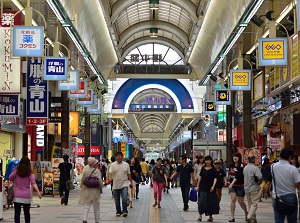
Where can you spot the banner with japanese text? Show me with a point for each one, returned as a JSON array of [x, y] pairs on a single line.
[[37, 94], [9, 105], [10, 69], [88, 100], [81, 92], [56, 68], [72, 82]]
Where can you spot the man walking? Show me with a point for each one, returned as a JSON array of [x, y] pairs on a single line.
[[186, 172], [144, 167], [65, 175], [119, 172], [285, 180], [252, 176]]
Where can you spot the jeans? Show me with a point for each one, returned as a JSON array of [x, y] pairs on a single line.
[[185, 191], [63, 192], [123, 192], [157, 189], [253, 199], [279, 218], [26, 208]]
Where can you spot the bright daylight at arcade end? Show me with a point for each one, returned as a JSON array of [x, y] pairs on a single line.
[[154, 111]]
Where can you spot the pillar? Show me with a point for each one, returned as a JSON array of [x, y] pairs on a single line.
[[65, 124], [229, 133], [87, 136], [109, 134]]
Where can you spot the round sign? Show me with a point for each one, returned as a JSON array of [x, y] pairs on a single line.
[[115, 140]]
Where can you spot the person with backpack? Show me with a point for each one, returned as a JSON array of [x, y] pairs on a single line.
[[158, 178]]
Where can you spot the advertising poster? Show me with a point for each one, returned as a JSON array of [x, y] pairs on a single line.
[[258, 87], [48, 184], [295, 58], [273, 52], [240, 80]]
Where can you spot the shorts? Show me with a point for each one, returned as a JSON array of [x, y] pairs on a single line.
[[263, 184], [240, 192]]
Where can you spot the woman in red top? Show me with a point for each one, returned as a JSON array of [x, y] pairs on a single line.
[[23, 177]]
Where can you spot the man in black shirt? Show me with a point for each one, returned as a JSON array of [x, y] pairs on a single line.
[[65, 169], [186, 172]]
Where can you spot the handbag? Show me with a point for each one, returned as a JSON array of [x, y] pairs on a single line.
[[69, 183], [10, 194], [91, 182], [282, 206], [193, 194]]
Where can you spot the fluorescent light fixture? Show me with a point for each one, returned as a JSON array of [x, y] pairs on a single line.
[[55, 10], [79, 47], [206, 79], [237, 35], [253, 11], [282, 15]]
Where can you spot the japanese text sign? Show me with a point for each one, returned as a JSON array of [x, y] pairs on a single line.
[[72, 82], [37, 94], [28, 41], [7, 16], [240, 80], [56, 68], [88, 100], [273, 52], [10, 69], [209, 107], [222, 97], [81, 92], [9, 105], [95, 110]]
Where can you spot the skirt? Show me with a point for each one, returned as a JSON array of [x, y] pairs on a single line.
[[208, 203]]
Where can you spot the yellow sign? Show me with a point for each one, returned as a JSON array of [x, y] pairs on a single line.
[[123, 149], [74, 124], [273, 50], [240, 78]]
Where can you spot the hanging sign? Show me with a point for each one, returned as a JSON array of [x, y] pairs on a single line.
[[37, 94], [71, 83], [222, 97], [88, 100], [28, 41], [9, 105], [273, 52], [240, 80], [10, 69], [209, 107], [73, 124], [95, 110], [81, 92], [56, 68]]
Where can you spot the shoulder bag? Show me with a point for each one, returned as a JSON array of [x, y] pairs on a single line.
[[282, 206], [91, 182], [69, 183]]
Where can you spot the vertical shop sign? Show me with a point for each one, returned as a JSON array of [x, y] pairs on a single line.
[[72, 82], [123, 148], [88, 100], [81, 92], [10, 68], [37, 94], [56, 68], [28, 41]]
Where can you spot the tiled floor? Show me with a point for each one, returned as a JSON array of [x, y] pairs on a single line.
[[50, 210]]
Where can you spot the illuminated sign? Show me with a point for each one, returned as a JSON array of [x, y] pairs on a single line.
[[273, 52], [88, 100], [81, 92], [151, 107], [56, 68], [222, 97], [209, 107], [72, 82], [240, 80], [73, 122]]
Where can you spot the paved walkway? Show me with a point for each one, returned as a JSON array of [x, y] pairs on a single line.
[[50, 210]]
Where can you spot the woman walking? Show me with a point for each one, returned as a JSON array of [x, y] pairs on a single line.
[[23, 177], [91, 196], [135, 175], [236, 187], [158, 178], [150, 168], [207, 198], [169, 172], [198, 166]]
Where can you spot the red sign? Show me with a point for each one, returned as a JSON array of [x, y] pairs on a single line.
[[95, 150], [36, 121], [7, 16]]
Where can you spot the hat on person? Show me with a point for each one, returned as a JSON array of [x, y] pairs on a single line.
[[216, 162], [92, 161]]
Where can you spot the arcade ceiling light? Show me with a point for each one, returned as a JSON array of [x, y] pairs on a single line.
[[154, 4], [153, 32]]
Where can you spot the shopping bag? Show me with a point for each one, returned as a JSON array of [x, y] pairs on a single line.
[[193, 195]]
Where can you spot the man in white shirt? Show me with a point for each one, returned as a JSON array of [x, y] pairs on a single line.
[[287, 179], [119, 172]]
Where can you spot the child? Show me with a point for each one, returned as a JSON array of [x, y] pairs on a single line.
[[221, 179]]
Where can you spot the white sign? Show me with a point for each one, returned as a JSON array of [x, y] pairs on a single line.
[[10, 69], [72, 83]]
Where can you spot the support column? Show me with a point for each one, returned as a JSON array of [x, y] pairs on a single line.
[[229, 133], [87, 136], [65, 124], [109, 134]]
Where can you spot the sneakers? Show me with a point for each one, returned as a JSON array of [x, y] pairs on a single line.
[[118, 215], [62, 200], [125, 214]]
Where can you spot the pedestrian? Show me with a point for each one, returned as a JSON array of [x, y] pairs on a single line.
[[174, 180], [65, 175], [265, 171], [158, 178], [23, 177], [112, 159], [135, 174], [150, 168], [144, 167], [221, 179], [138, 170], [185, 172], [103, 167], [169, 171], [252, 176], [207, 198], [91, 196], [198, 166], [119, 172], [295, 162], [223, 166], [236, 187], [285, 181]]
